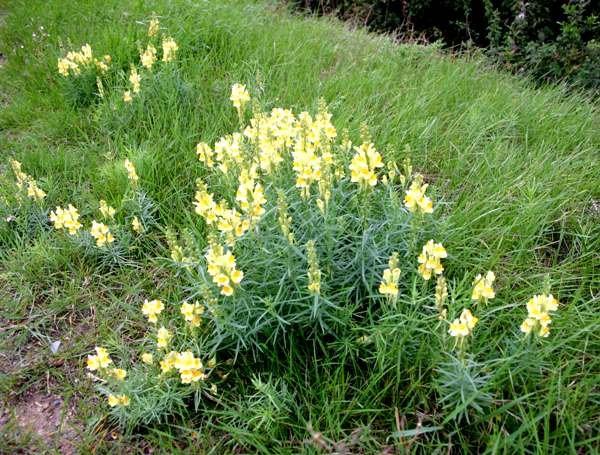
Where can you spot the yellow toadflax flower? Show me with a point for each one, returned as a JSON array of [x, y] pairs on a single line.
[[169, 49], [163, 337], [131, 174], [205, 154], [168, 363], [538, 309], [190, 368], [483, 287], [430, 259], [239, 96], [106, 210], [148, 57], [415, 199], [151, 309], [364, 165], [222, 268], [34, 191], [135, 79], [127, 96], [66, 219], [118, 400], [391, 276], [101, 233], [99, 361], [192, 313], [463, 326], [153, 27], [118, 373], [136, 225], [147, 358]]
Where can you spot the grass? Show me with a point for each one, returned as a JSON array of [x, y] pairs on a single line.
[[514, 172]]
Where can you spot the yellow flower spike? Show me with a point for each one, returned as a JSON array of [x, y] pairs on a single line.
[[163, 337], [192, 312], [66, 219], [221, 267], [170, 48], [118, 373], [239, 97], [136, 225], [147, 358], [415, 199], [152, 309], [106, 210], [113, 400], [391, 277], [98, 361], [131, 172], [205, 154], [148, 57], [153, 27], [101, 233], [430, 259], [364, 164], [135, 79], [483, 287], [127, 96], [464, 325], [539, 308]]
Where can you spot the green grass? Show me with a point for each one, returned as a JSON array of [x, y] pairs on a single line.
[[515, 177]]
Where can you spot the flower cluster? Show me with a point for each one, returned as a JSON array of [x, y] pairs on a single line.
[[391, 277], [483, 289], [163, 337], [222, 268], [25, 181], [192, 313], [441, 294], [101, 234], [463, 326], [151, 309], [170, 48], [538, 318], [365, 163], [239, 97], [106, 210], [100, 362], [430, 259], [73, 63], [285, 220], [131, 173], [415, 199], [66, 219]]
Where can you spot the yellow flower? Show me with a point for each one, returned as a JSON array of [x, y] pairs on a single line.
[[222, 268], [239, 96], [101, 233], [430, 259], [136, 225], [169, 49], [135, 79], [364, 164], [192, 313], [163, 337], [483, 287], [118, 373], [148, 57], [127, 96], [205, 154], [118, 400], [415, 199], [98, 361], [66, 219], [190, 368], [538, 309], [152, 309], [147, 358], [153, 27], [168, 363], [35, 192], [391, 276], [106, 210], [131, 173], [463, 326]]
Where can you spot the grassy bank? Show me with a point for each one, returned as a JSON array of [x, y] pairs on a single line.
[[514, 173]]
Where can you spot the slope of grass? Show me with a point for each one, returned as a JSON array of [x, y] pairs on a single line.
[[515, 174]]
